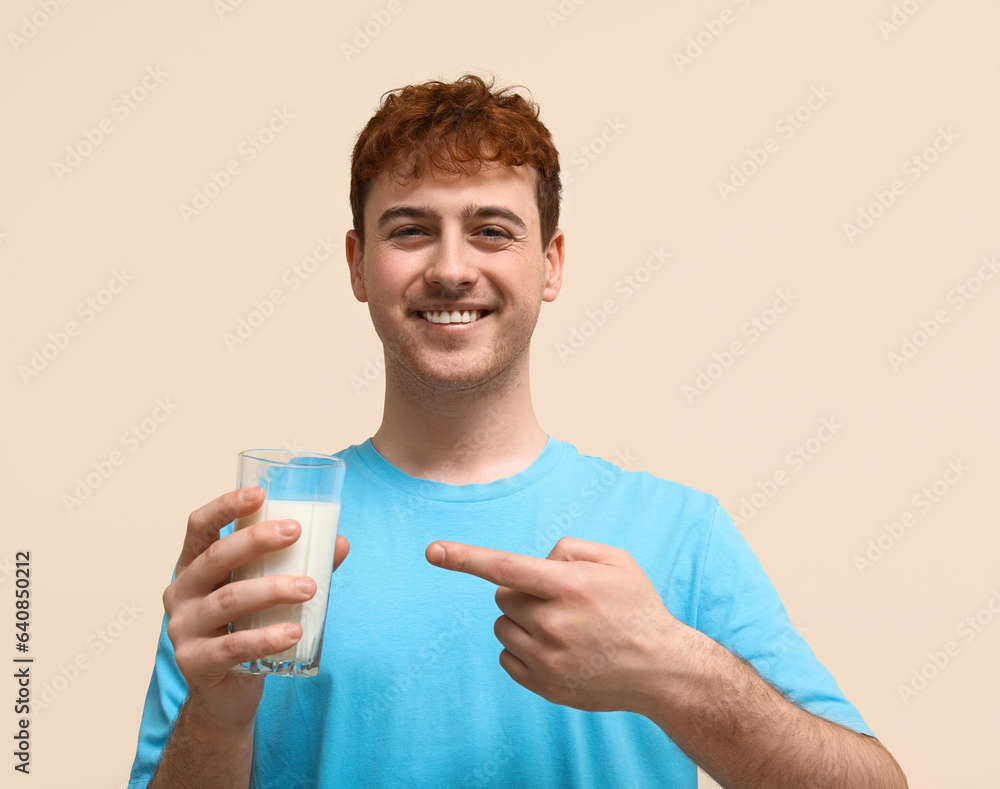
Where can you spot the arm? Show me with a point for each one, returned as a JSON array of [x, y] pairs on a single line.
[[745, 733], [205, 751], [211, 744], [586, 628]]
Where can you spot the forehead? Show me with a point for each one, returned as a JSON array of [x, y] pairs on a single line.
[[450, 193]]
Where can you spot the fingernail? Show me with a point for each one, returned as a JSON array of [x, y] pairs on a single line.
[[435, 554], [292, 631], [304, 585], [247, 495], [286, 528]]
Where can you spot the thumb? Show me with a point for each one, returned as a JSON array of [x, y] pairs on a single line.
[[573, 549], [341, 550]]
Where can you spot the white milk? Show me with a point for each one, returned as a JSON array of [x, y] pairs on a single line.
[[311, 554]]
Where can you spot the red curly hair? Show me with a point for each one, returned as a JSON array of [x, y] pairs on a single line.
[[455, 128]]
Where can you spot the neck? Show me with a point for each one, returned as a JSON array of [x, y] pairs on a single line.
[[471, 436]]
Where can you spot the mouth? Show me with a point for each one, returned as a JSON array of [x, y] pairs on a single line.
[[453, 316]]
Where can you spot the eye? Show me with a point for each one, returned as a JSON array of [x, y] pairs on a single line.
[[407, 231], [493, 232]]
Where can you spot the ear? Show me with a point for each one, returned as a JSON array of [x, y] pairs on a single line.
[[554, 255], [355, 262]]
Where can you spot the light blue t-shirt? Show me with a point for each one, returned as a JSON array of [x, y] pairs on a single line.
[[410, 692]]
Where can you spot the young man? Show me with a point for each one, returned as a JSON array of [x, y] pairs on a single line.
[[635, 644]]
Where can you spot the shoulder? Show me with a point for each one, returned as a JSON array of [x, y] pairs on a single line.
[[622, 478]]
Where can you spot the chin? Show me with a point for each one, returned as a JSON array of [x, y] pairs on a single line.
[[462, 381], [476, 375]]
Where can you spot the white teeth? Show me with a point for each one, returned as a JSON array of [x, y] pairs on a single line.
[[443, 316]]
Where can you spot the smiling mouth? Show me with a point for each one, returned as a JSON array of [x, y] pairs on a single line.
[[453, 316]]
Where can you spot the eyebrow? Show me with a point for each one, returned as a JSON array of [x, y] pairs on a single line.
[[408, 212], [490, 211], [469, 212]]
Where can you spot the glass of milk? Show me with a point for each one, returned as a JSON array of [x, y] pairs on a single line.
[[307, 487]]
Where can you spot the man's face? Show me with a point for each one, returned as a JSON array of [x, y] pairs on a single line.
[[454, 274]]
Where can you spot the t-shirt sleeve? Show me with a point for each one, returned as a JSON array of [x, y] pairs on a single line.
[[739, 607], [164, 698]]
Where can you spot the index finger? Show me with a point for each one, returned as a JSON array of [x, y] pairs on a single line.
[[205, 522], [527, 574]]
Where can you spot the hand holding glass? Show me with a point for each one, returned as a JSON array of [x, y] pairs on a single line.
[[306, 487]]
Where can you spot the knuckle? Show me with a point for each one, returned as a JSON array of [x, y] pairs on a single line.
[[226, 597], [259, 536], [173, 626], [258, 643], [185, 661], [199, 531], [274, 589], [506, 570], [276, 640], [203, 524], [284, 586], [225, 507], [622, 557], [228, 508], [168, 597], [231, 647], [211, 553], [553, 624], [567, 548]]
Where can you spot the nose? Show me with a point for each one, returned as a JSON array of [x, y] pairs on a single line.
[[452, 264]]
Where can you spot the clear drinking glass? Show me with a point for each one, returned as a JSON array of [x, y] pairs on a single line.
[[307, 487]]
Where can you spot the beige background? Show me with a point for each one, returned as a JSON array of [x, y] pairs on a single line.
[[671, 132]]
